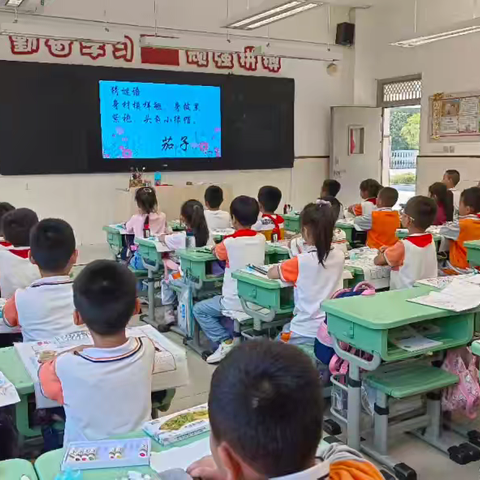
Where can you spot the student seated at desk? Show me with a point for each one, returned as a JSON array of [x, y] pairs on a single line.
[[244, 247], [383, 222], [45, 308], [5, 207], [192, 215], [16, 271], [266, 416], [316, 273], [465, 229], [105, 388], [444, 200], [415, 257], [270, 224], [368, 192], [147, 222], [330, 188], [451, 178], [216, 219]]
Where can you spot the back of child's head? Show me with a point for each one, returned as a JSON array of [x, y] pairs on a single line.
[[194, 216], [104, 294], [5, 207], [266, 404], [388, 196], [269, 198], [17, 225], [213, 196], [245, 210], [471, 199], [52, 244], [422, 210], [330, 187], [371, 187], [146, 200], [444, 197], [453, 176], [319, 221], [336, 206]]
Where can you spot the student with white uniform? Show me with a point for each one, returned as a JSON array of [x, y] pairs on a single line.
[[451, 179], [105, 388], [45, 308], [415, 257], [16, 271], [216, 219], [316, 273], [244, 247]]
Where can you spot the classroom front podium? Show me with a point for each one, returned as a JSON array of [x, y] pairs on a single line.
[[171, 197]]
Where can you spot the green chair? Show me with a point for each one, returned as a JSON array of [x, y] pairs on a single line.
[[15, 469]]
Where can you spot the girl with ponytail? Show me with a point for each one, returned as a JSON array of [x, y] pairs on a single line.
[[316, 272]]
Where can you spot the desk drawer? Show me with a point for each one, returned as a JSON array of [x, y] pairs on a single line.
[[149, 253], [267, 298], [452, 331], [292, 224], [115, 240]]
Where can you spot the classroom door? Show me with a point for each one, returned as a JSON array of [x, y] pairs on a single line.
[[356, 148]]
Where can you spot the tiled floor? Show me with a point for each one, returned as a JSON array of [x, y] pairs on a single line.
[[429, 463]]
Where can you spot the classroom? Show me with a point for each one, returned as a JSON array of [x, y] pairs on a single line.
[[239, 240]]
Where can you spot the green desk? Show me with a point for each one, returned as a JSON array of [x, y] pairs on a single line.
[[473, 253], [49, 464], [276, 254], [292, 222], [116, 239], [14, 469], [12, 367], [476, 348], [197, 265], [366, 323], [348, 228], [176, 226]]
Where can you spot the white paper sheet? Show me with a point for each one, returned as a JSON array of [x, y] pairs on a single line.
[[180, 457], [8, 393], [412, 341], [362, 258]]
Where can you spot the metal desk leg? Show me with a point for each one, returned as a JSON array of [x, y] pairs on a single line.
[[151, 297], [354, 406], [381, 424], [21, 419]]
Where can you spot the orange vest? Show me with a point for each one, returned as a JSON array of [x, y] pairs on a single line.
[[469, 230], [384, 229]]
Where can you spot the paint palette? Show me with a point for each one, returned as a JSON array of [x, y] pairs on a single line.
[[107, 454]]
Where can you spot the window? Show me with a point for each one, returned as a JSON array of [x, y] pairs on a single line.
[[400, 91]]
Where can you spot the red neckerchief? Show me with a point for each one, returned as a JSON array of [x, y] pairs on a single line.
[[277, 220], [421, 241], [372, 200], [20, 253], [6, 244], [246, 232]]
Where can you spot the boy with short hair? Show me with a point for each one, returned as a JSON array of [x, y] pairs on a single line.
[[270, 224], [451, 178], [265, 425], [216, 219], [105, 388], [382, 223], [16, 271], [465, 229], [5, 207], [45, 308], [369, 190], [244, 247], [415, 257], [330, 189]]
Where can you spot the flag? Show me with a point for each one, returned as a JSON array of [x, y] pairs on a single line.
[[161, 56]]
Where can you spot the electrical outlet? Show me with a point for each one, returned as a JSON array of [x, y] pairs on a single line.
[[452, 149]]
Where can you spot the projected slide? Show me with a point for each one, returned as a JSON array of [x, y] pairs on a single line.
[[156, 120]]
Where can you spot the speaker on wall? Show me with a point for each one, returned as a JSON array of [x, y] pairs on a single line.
[[345, 34]]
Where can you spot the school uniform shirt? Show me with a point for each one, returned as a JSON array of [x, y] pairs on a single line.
[[217, 219], [270, 225], [314, 283], [157, 224], [178, 241], [413, 258], [456, 199], [43, 310], [104, 391], [238, 250], [463, 230], [338, 462], [365, 207], [16, 270], [441, 217], [382, 225]]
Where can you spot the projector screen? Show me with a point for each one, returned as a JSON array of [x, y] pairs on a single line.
[[158, 120]]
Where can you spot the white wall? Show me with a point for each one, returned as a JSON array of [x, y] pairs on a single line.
[[90, 201]]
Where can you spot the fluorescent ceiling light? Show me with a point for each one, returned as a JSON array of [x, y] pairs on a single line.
[[273, 14], [457, 30], [13, 3], [55, 33]]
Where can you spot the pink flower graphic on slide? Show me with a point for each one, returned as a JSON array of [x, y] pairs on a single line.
[[203, 146], [127, 153]]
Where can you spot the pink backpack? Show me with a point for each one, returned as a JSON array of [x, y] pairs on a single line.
[[465, 395]]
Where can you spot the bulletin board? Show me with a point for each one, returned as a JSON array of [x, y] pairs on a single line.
[[455, 117]]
